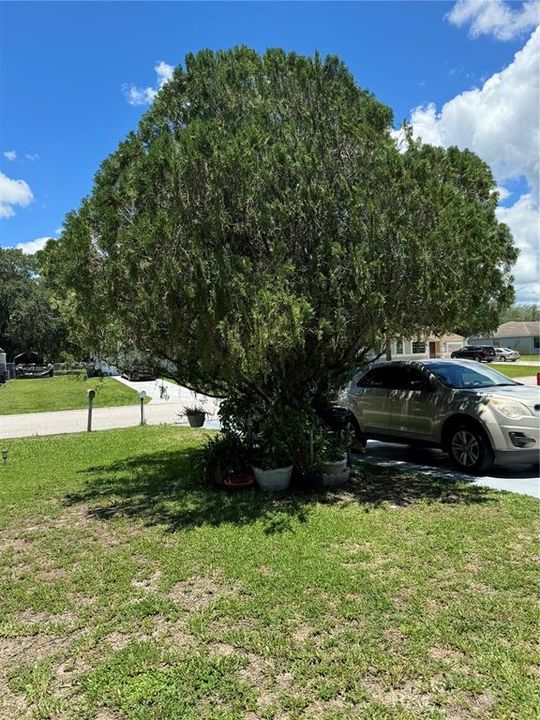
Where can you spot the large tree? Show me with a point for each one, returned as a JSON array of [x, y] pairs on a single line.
[[260, 229], [29, 319]]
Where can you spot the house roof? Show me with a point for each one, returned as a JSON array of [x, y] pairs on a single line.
[[518, 329], [450, 337]]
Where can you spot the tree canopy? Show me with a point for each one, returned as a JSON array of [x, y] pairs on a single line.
[[29, 320], [261, 230]]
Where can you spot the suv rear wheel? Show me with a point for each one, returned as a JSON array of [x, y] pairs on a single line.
[[469, 449], [477, 358]]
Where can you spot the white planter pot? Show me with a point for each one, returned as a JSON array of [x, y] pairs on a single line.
[[330, 480], [335, 467], [273, 480]]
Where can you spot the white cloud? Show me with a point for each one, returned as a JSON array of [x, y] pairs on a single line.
[[495, 17], [32, 246], [32, 156], [523, 219], [500, 123], [13, 192], [503, 192], [145, 96], [10, 155]]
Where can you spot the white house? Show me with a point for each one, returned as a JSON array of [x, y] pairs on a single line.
[[431, 346]]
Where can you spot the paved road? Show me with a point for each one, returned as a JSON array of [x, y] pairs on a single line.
[[159, 410], [521, 479]]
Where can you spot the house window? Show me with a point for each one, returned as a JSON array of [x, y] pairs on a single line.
[[399, 346], [536, 342], [419, 346]]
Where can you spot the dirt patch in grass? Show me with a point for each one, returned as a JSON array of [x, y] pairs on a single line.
[[466, 706], [150, 584], [259, 673], [89, 519], [196, 593], [15, 544], [13, 706], [35, 617], [29, 649], [447, 654], [407, 695]]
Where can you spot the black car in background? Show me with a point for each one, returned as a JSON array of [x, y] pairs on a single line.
[[480, 353]]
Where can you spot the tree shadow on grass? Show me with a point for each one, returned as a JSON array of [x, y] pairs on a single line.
[[167, 489]]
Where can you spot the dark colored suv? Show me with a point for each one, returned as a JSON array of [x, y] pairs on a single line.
[[480, 353]]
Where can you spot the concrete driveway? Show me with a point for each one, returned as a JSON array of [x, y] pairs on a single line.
[[164, 392], [521, 479]]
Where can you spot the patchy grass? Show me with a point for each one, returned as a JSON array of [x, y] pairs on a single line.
[[533, 358], [66, 392], [515, 371], [129, 590]]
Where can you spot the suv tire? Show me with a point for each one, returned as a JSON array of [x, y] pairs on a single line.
[[354, 427], [477, 358], [468, 448]]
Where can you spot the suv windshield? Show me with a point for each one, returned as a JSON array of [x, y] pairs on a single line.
[[460, 376]]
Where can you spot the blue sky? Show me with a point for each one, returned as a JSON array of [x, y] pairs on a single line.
[[63, 67]]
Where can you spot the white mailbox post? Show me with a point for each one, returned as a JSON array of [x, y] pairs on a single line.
[[142, 395]]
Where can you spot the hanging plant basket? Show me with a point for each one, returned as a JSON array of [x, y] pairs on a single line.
[[196, 419]]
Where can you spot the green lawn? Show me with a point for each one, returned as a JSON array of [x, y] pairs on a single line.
[[66, 392], [130, 591], [515, 371], [531, 357]]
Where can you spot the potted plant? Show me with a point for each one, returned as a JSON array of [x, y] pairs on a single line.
[[335, 455], [274, 475], [195, 415], [273, 464], [227, 462], [330, 458]]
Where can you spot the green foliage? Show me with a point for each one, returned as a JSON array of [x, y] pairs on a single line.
[[225, 454], [29, 318], [260, 230], [521, 313]]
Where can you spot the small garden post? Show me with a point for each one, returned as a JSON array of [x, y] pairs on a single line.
[[91, 395], [142, 395]]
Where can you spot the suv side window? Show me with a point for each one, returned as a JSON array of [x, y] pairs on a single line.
[[380, 377], [416, 380]]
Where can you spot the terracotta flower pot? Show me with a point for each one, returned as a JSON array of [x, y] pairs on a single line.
[[242, 481]]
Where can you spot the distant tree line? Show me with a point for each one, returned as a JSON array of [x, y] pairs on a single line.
[[30, 319], [521, 313]]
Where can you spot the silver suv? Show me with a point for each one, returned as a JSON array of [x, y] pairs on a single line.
[[474, 413]]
